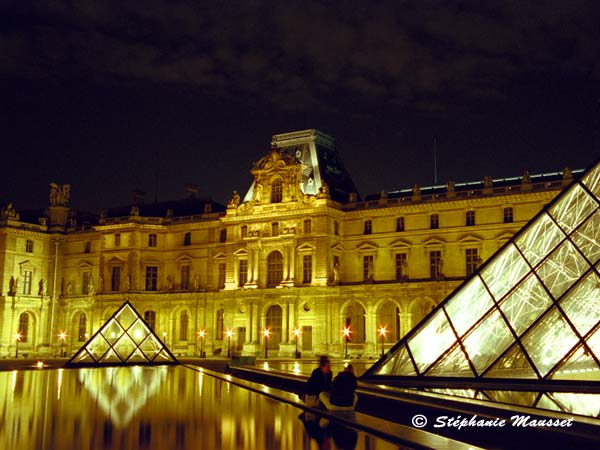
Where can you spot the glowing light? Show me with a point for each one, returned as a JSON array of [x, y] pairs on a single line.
[[40, 364], [296, 368], [297, 332], [266, 365], [347, 332], [266, 332], [62, 335], [382, 331], [229, 333], [137, 334], [202, 333], [18, 336]]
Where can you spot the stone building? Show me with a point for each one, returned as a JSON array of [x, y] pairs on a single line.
[[301, 254]]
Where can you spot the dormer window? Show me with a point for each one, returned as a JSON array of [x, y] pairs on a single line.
[[276, 191]]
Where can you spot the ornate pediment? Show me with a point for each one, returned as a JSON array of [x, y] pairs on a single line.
[[275, 159]]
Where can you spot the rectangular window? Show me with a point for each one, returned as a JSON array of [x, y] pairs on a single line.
[[117, 240], [115, 278], [336, 228], [151, 278], [368, 268], [150, 318], [434, 221], [185, 278], [87, 248], [244, 231], [470, 218], [187, 238], [27, 278], [243, 272], [472, 260], [401, 267], [367, 227], [29, 246], [275, 229], [85, 282], [223, 235], [152, 240], [222, 273], [435, 264], [400, 224], [508, 215], [306, 269], [307, 226]]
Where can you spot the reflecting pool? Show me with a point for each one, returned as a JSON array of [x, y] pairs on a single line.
[[153, 408], [305, 367]]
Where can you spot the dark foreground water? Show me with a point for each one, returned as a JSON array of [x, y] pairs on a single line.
[[153, 408]]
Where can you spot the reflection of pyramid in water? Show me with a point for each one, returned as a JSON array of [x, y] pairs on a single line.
[[122, 391], [532, 311], [124, 339]]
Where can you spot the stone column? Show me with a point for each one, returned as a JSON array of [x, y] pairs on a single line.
[[292, 264], [286, 262], [406, 323], [285, 325]]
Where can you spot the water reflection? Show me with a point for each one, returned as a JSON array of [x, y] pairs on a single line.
[[305, 367], [149, 408]]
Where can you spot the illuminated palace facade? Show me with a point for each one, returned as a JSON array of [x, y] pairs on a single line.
[[300, 251]]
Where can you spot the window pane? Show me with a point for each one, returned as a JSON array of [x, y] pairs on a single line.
[[573, 208], [488, 341], [549, 341], [504, 271], [580, 365], [525, 304], [592, 180], [513, 364], [582, 304], [454, 364], [399, 364], [539, 239], [562, 269], [431, 340], [469, 305], [587, 238]]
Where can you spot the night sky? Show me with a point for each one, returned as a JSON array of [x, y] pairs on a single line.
[[106, 95]]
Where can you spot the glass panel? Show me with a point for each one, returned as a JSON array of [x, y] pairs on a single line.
[[124, 346], [513, 397], [593, 343], [126, 317], [83, 357], [486, 342], [151, 346], [110, 356], [546, 402], [525, 304], [162, 356], [539, 239], [582, 304], [399, 364], [504, 271], [562, 269], [513, 364], [587, 238], [469, 305], [112, 332], [432, 339], [592, 180], [138, 331], [584, 404], [98, 347], [580, 366], [137, 356], [574, 206], [549, 341], [454, 364]]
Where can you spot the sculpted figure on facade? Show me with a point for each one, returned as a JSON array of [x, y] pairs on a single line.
[[170, 282], [91, 287], [258, 192], [234, 202], [127, 282], [337, 273], [487, 181], [526, 177], [13, 285], [196, 283], [567, 173], [450, 186], [41, 287], [370, 271], [100, 284], [59, 194], [135, 211], [323, 191], [9, 211]]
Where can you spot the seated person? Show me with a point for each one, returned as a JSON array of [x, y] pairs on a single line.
[[342, 396], [319, 381]]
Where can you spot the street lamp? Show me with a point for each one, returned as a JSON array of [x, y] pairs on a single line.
[[229, 333], [346, 332], [266, 334], [201, 333], [296, 336], [62, 335], [382, 333], [17, 339]]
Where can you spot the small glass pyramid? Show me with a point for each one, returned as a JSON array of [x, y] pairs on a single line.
[[532, 311], [124, 339]]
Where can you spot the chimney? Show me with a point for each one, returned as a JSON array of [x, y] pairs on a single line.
[[191, 190], [138, 197]]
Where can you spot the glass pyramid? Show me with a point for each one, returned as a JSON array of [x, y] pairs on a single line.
[[532, 311], [124, 339]]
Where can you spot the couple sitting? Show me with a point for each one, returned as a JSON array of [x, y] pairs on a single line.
[[338, 395]]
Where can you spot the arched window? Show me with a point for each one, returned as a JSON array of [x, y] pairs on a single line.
[[150, 318], [220, 323], [184, 320], [82, 328], [24, 327], [274, 269], [355, 320], [276, 191], [273, 323], [390, 319]]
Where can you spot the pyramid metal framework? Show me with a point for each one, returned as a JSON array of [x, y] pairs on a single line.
[[531, 312], [125, 339]]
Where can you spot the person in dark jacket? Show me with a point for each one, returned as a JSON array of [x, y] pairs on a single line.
[[343, 391], [319, 381]]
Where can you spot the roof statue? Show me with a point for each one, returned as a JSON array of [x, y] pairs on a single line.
[[59, 194]]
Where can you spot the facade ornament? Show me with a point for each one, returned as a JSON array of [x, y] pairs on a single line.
[[352, 197], [416, 190], [526, 177], [258, 193], [324, 191], [337, 274], [9, 211], [170, 282], [370, 271], [440, 268], [13, 286], [450, 186], [169, 213], [41, 287], [68, 289], [275, 159], [59, 194], [196, 283], [487, 181], [100, 284], [567, 173], [103, 213], [234, 202], [135, 211], [127, 280], [91, 287], [207, 208]]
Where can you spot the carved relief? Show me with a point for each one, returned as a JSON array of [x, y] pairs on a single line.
[[59, 194]]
